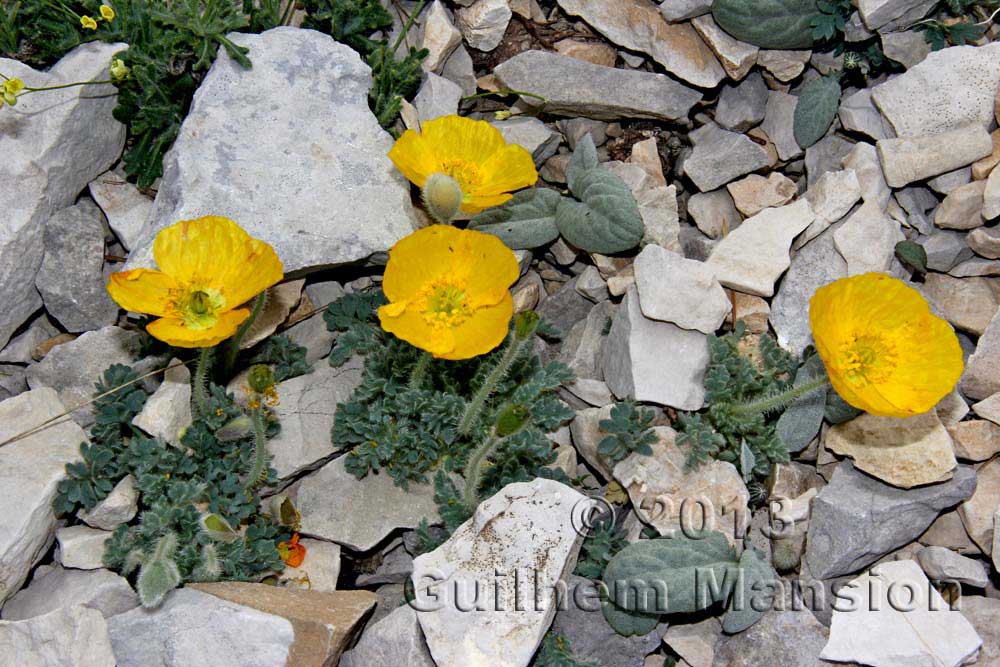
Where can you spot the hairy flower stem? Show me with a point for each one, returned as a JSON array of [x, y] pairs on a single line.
[[259, 470], [779, 400], [233, 350], [515, 346], [200, 390], [419, 371], [474, 471]]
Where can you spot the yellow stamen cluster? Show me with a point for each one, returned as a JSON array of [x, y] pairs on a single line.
[[867, 359], [443, 304], [9, 90]]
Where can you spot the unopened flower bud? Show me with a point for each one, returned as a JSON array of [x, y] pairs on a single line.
[[502, 115], [511, 419], [118, 69], [526, 324], [442, 197], [260, 378]]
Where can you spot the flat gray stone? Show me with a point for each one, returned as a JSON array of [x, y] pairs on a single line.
[[21, 346], [681, 10], [721, 156], [81, 547], [70, 278], [941, 564], [68, 637], [72, 368], [876, 13], [825, 155], [654, 361], [194, 628], [118, 507], [712, 211], [40, 139], [531, 134], [741, 106], [982, 613], [484, 22], [437, 97], [30, 471], [857, 113], [378, 506], [950, 88], [53, 587], [906, 160], [576, 88], [680, 291], [778, 123], [394, 640], [867, 240], [331, 199], [167, 411], [124, 206], [816, 264], [306, 409], [908, 48], [982, 370], [786, 638], [856, 519]]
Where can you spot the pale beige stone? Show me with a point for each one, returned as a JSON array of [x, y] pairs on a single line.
[[903, 452], [975, 439], [977, 512], [753, 310], [989, 408], [737, 57], [646, 154], [598, 53], [784, 65], [667, 494], [281, 300], [967, 303], [962, 208], [982, 168], [753, 193]]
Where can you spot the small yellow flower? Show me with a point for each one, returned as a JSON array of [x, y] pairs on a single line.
[[118, 69], [473, 152], [209, 267], [884, 351], [448, 291], [13, 86], [88, 23], [107, 13]]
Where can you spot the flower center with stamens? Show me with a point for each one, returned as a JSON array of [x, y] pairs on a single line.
[[466, 173], [443, 304], [199, 308], [867, 359]]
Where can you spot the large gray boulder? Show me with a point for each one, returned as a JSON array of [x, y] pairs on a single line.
[[53, 143], [290, 151]]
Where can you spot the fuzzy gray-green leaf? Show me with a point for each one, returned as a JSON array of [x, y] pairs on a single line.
[[815, 110], [673, 575], [528, 220], [746, 605], [156, 579], [606, 218], [628, 623], [584, 159], [769, 24], [801, 421]]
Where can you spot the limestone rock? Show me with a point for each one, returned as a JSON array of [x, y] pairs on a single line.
[[587, 434], [334, 199], [867, 240], [318, 572], [72, 368], [754, 255], [909, 159], [68, 637], [923, 99], [323, 623], [440, 37], [654, 361], [857, 113], [982, 613], [168, 411], [856, 519], [908, 48], [989, 408], [754, 193], [722, 156], [778, 123], [985, 241], [742, 106], [877, 13], [53, 587], [39, 138], [30, 471], [21, 346], [118, 507], [967, 303], [982, 370], [306, 409], [881, 628], [736, 57], [962, 208], [638, 26], [394, 640], [977, 512], [783, 65], [786, 638], [680, 10], [437, 97], [531, 134], [664, 489], [942, 564], [694, 642], [713, 211], [484, 22], [831, 197], [81, 547], [379, 506], [124, 206], [680, 291], [991, 196], [863, 159], [70, 278], [597, 53], [906, 452], [524, 527], [576, 88], [195, 628]]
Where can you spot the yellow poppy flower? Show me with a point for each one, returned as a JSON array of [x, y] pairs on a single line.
[[884, 351], [88, 23], [448, 291], [107, 13], [208, 268], [473, 152]]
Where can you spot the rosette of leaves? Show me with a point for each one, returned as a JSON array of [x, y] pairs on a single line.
[[197, 519], [650, 578], [412, 433], [601, 216]]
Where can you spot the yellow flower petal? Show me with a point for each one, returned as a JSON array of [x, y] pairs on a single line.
[[143, 291], [173, 331], [410, 325], [418, 259], [107, 13], [88, 23], [475, 204], [414, 157], [216, 252], [511, 168], [883, 349], [459, 138], [483, 332]]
